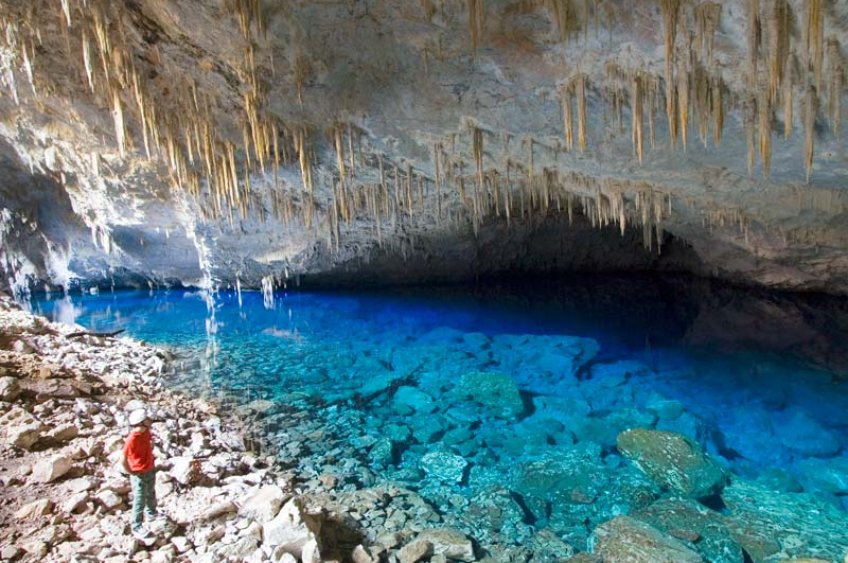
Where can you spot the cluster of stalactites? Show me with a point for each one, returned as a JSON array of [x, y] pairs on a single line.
[[694, 90], [183, 131]]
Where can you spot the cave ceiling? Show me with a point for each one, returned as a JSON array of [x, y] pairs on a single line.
[[209, 140]]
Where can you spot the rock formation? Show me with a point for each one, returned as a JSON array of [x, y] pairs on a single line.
[[215, 141]]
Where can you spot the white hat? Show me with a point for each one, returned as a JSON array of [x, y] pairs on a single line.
[[137, 417]]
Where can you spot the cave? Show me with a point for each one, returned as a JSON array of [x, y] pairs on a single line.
[[425, 280]]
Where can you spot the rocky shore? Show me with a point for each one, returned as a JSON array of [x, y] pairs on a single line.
[[65, 396]]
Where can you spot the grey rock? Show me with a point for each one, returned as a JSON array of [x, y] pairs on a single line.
[[287, 529]]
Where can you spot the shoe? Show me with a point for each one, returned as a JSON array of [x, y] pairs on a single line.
[[140, 533]]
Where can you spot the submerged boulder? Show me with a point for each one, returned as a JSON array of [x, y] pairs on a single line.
[[627, 540], [495, 392], [702, 529], [774, 526], [672, 461]]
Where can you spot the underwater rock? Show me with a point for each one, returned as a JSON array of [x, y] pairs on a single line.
[[495, 392], [672, 461], [444, 466], [614, 374], [549, 548], [663, 408], [427, 429], [546, 365], [784, 525], [604, 427], [704, 529], [803, 434], [627, 540], [824, 475], [410, 399]]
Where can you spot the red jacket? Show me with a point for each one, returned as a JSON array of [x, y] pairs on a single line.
[[138, 451]]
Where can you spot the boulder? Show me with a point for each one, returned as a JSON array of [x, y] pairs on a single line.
[[451, 543], [9, 389], [444, 466], [672, 461], [108, 499], [48, 470], [426, 429], [75, 501], [217, 510], [626, 540], [262, 505], [186, 470]]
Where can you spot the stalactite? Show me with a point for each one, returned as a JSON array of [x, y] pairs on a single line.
[[581, 112], [683, 96], [340, 157], [437, 149], [777, 26], [786, 96], [478, 162], [636, 115], [815, 41], [476, 21], [118, 118], [835, 84], [707, 19], [717, 99], [750, 119], [671, 11], [753, 35], [568, 119], [810, 110], [764, 123]]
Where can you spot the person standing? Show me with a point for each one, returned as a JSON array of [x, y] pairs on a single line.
[[139, 463]]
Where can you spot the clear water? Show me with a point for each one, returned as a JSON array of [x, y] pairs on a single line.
[[758, 379]]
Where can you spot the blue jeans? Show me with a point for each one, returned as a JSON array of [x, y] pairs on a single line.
[[144, 496]]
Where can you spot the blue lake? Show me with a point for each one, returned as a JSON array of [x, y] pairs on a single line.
[[757, 379]]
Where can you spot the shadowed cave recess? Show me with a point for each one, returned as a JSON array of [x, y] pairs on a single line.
[[571, 275]]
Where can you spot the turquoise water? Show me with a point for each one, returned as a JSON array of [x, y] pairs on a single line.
[[394, 380]]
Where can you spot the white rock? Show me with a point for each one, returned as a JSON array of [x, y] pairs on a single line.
[[108, 499], [64, 433], [9, 389], [181, 543], [186, 470], [48, 470], [264, 504], [287, 529], [34, 509], [310, 552], [25, 435], [451, 543], [75, 501]]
